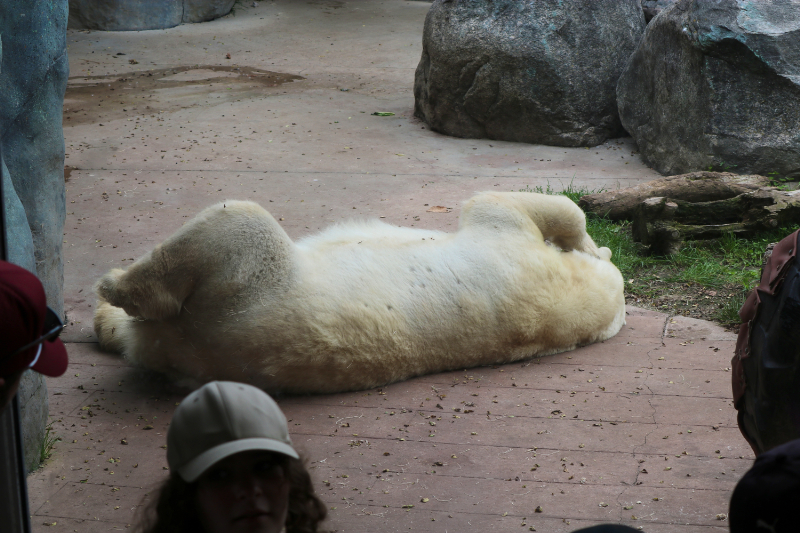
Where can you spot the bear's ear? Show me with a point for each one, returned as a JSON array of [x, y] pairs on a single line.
[[604, 253]]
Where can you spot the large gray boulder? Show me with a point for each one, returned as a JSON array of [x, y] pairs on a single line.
[[125, 15], [652, 8], [205, 10], [536, 71], [129, 15], [714, 86]]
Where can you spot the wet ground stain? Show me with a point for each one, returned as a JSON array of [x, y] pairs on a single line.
[[93, 99]]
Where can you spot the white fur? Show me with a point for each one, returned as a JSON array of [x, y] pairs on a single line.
[[230, 296]]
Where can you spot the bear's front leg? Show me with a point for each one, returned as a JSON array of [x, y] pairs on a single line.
[[146, 289], [108, 289]]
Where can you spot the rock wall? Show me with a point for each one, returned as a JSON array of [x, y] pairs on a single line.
[[536, 71], [652, 8], [34, 410], [34, 404], [128, 15], [33, 77], [18, 233], [716, 86]]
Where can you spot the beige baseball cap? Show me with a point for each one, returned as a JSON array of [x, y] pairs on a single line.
[[220, 419]]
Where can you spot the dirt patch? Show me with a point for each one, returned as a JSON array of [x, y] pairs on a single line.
[[93, 99], [687, 299]]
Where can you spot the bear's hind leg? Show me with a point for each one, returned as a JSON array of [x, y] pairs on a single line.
[[558, 218]]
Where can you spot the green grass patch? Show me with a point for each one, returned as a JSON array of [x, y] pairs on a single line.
[[47, 444], [706, 279]]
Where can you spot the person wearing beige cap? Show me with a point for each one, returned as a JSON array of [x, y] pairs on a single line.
[[233, 468]]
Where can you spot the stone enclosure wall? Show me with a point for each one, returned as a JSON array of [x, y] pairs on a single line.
[[33, 78]]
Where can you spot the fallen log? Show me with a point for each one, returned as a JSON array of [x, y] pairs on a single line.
[[664, 223], [693, 187]]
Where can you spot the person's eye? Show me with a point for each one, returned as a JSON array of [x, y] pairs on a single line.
[[269, 469], [218, 474]]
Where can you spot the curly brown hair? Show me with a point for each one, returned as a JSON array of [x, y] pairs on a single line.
[[173, 509]]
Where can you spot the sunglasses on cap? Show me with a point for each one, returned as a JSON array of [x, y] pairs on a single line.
[[52, 327]]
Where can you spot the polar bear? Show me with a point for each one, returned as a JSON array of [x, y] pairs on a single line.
[[229, 296]]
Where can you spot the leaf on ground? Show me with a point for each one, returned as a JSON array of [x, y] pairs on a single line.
[[383, 114], [439, 209]]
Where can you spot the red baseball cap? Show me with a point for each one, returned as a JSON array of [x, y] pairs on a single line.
[[23, 312]]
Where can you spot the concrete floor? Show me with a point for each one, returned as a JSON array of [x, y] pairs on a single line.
[[160, 124]]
